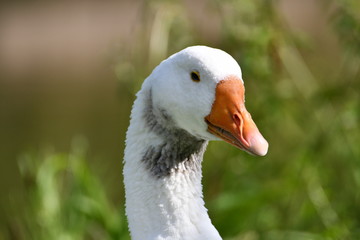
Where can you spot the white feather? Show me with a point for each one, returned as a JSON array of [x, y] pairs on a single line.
[[172, 207]]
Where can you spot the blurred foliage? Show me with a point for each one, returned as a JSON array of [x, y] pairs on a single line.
[[305, 188], [66, 200]]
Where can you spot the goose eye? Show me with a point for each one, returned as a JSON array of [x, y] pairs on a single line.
[[195, 76]]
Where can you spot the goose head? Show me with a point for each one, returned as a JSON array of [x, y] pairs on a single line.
[[202, 89]]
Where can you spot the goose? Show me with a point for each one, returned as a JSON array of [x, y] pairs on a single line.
[[192, 97]]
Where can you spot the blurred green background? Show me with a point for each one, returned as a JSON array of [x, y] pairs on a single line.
[[68, 74]]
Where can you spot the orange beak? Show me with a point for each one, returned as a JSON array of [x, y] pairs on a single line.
[[230, 121]]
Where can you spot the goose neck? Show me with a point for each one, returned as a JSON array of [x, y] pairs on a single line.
[[162, 176]]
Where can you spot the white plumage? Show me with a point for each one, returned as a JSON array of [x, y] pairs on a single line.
[[172, 120]]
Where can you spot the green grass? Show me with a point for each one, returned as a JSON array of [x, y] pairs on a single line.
[[66, 200]]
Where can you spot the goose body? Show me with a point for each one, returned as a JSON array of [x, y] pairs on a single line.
[[194, 96]]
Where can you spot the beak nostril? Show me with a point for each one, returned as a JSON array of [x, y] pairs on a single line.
[[237, 119]]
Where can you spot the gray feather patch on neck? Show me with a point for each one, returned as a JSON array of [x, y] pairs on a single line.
[[179, 152]]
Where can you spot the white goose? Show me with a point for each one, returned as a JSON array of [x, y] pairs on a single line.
[[194, 96]]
